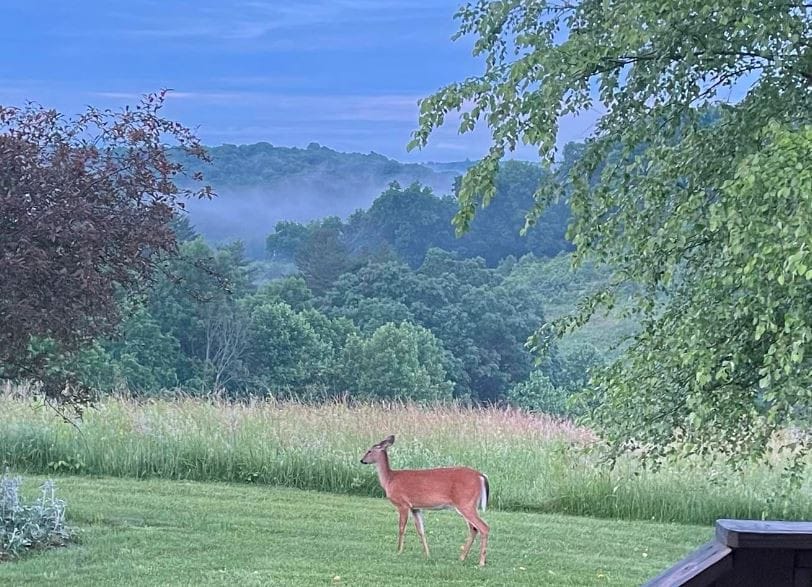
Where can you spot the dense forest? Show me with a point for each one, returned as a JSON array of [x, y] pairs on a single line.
[[386, 304], [410, 220]]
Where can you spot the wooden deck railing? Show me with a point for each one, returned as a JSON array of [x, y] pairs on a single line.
[[747, 553]]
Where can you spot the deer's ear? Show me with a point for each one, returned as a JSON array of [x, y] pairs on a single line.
[[388, 441]]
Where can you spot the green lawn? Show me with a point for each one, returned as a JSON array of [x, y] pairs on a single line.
[[185, 533]]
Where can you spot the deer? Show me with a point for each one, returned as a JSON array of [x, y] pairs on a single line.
[[414, 490]]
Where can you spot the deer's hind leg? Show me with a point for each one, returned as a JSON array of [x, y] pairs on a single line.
[[469, 541], [417, 515], [473, 519]]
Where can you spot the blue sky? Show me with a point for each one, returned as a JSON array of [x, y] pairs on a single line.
[[343, 73]]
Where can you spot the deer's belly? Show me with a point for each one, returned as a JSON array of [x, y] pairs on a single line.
[[442, 506]]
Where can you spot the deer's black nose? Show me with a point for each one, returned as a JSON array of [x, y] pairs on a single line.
[[362, 461]]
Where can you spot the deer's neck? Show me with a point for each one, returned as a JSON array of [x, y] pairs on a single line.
[[384, 471]]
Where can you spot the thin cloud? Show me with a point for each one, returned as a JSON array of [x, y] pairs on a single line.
[[377, 107], [205, 96], [257, 20], [263, 81]]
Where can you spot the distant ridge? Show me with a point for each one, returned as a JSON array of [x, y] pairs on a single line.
[[457, 167], [261, 162]]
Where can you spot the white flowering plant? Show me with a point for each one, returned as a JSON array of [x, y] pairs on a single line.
[[24, 526]]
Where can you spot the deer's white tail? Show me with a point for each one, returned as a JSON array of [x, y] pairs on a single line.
[[484, 491]]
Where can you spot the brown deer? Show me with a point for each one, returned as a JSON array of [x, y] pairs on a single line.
[[413, 490]]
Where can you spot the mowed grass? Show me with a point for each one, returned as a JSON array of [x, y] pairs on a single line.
[[535, 463], [157, 532]]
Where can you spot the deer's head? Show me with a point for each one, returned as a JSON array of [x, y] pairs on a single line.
[[375, 452]]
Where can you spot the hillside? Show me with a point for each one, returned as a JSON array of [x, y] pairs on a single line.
[[260, 184]]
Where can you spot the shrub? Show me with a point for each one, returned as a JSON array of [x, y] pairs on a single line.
[[399, 361], [538, 394], [283, 350], [23, 527]]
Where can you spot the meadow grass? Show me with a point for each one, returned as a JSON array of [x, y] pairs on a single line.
[[158, 532], [534, 463]]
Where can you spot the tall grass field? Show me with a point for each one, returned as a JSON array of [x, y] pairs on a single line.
[[534, 463]]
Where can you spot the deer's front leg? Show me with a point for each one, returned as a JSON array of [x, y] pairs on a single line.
[[404, 517]]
